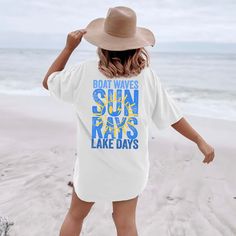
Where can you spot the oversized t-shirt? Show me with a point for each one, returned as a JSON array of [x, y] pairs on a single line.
[[113, 116]]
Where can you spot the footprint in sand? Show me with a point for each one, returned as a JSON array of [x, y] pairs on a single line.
[[173, 200]]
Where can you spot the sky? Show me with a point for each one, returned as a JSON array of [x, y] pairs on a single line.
[[175, 23]]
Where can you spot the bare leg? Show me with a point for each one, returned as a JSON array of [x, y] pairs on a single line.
[[124, 217], [73, 222]]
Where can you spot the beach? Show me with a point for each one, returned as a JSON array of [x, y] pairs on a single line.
[[183, 196]]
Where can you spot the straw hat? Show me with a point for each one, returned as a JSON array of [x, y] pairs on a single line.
[[118, 31]]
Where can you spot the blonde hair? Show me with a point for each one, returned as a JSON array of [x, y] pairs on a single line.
[[125, 63]]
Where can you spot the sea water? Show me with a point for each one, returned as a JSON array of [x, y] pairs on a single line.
[[202, 84]]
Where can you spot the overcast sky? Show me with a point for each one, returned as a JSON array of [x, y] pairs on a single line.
[[45, 23]]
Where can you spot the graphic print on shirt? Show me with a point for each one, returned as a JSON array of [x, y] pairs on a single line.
[[115, 114]]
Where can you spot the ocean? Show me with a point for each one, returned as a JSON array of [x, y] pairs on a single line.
[[203, 84]]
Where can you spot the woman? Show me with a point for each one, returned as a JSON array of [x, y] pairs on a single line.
[[115, 98]]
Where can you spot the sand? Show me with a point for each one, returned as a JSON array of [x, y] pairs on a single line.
[[183, 197]]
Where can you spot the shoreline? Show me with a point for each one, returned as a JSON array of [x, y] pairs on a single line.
[[47, 97]]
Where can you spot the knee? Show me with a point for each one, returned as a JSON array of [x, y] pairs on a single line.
[[77, 215], [123, 221]]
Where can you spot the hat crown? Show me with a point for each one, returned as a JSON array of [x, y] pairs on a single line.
[[120, 22]]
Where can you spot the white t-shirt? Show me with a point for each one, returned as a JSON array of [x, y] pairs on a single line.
[[113, 116]]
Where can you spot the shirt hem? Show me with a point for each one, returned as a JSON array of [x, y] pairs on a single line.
[[129, 197], [106, 199]]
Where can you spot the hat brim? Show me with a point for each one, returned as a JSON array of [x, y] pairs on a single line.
[[97, 36]]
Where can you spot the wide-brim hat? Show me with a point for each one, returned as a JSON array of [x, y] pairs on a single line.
[[118, 31]]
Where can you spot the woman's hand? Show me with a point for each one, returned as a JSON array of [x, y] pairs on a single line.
[[184, 128], [74, 39], [207, 150]]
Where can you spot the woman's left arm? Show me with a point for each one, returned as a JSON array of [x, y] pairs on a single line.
[[184, 128]]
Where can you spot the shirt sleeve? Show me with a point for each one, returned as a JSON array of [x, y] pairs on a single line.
[[62, 84], [166, 110]]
